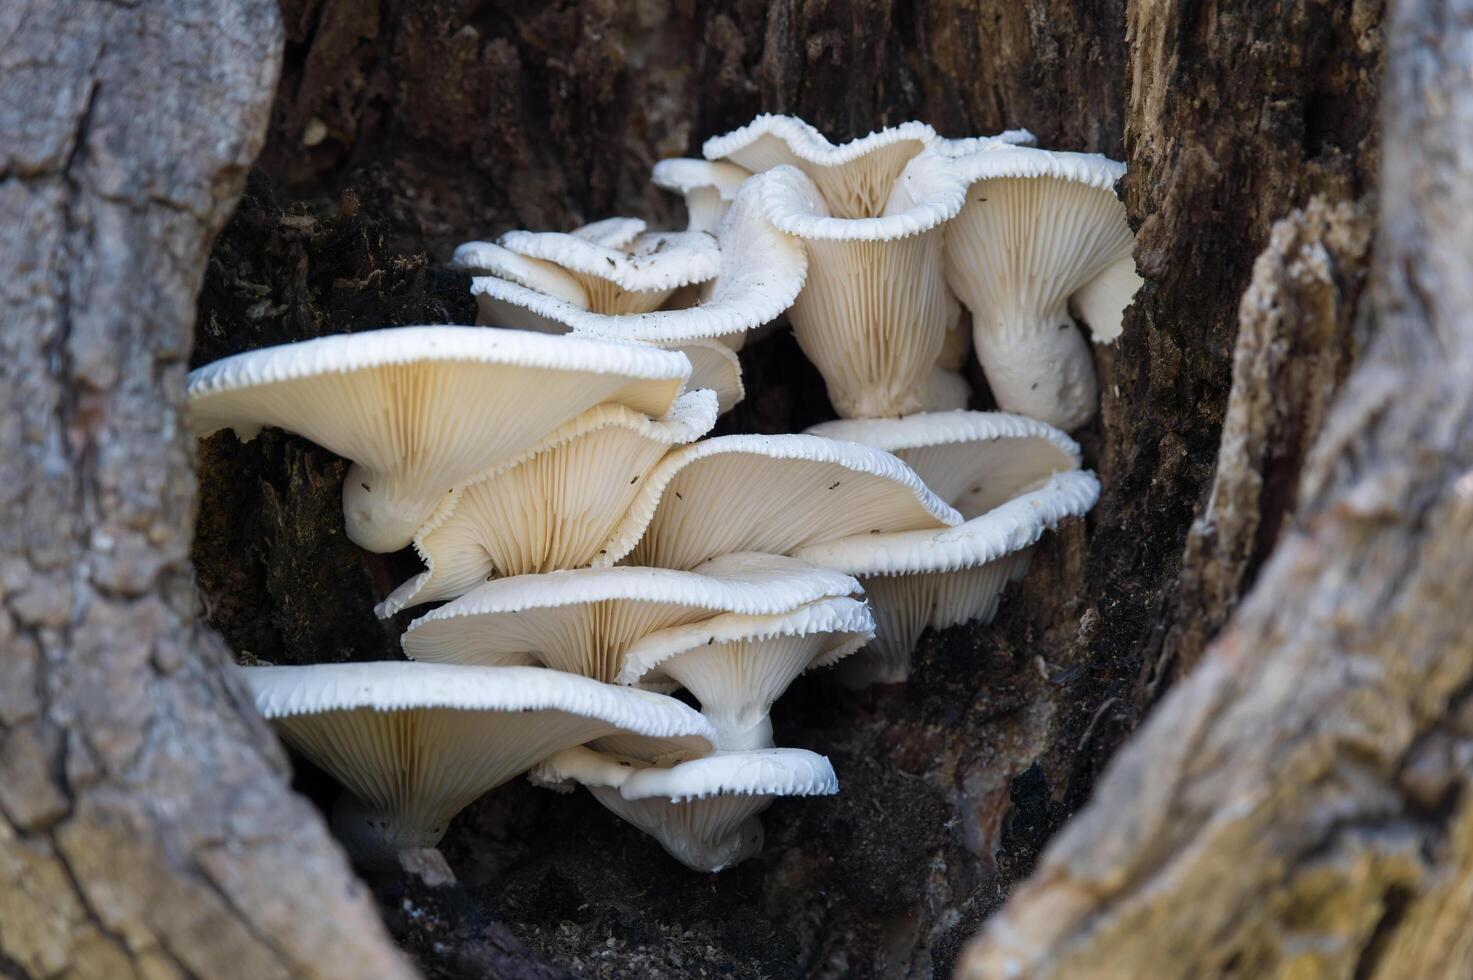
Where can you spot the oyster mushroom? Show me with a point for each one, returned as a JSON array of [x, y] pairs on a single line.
[[738, 665], [413, 744], [768, 493], [1041, 234], [1013, 478], [708, 188], [584, 620], [704, 813], [420, 410]]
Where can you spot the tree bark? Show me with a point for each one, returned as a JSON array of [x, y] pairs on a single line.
[[1299, 805], [146, 826]]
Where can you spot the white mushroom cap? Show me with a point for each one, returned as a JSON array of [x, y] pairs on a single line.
[[553, 508], [611, 232], [421, 409], [855, 178], [488, 258], [768, 493], [971, 144], [916, 579], [415, 743], [1040, 230], [972, 460], [709, 188], [762, 271], [583, 620], [704, 816], [738, 665], [875, 310], [714, 367], [634, 278]]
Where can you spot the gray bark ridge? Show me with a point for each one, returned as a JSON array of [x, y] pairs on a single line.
[[1300, 804], [146, 823]]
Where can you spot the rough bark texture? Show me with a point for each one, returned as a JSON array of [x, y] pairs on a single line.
[[1300, 805], [146, 827]]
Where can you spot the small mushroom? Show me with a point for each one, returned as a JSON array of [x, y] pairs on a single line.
[[761, 271], [708, 188], [583, 620], [1041, 233], [738, 665], [704, 813], [768, 493], [413, 744], [419, 410], [1013, 478], [634, 278], [554, 507]]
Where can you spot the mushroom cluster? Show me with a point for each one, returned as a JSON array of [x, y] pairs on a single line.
[[595, 552]]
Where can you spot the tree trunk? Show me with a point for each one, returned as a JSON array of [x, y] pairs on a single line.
[[1299, 806], [404, 126], [146, 827]]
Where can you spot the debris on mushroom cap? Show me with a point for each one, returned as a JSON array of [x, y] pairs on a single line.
[[1040, 231], [704, 816], [855, 178], [420, 409], [634, 278], [709, 188], [972, 460], [762, 272], [583, 620], [415, 743], [874, 312], [715, 367], [738, 665], [552, 508], [768, 493], [916, 579]]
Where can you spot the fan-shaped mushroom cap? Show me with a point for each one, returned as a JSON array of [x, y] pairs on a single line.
[[1040, 231], [709, 188], [415, 743], [768, 493], [916, 579], [583, 620], [738, 665], [972, 460], [488, 258], [855, 178], [704, 816], [552, 509], [762, 271], [421, 409], [875, 310], [634, 278], [611, 232], [971, 144]]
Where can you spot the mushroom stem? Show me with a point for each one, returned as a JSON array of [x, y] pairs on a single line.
[[739, 730], [374, 838], [1039, 367], [376, 516]]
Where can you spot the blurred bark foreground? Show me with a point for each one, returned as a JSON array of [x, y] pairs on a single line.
[[146, 825], [1300, 804]]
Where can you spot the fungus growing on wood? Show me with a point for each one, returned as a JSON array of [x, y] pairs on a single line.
[[413, 744], [1041, 233], [1013, 478], [552, 509], [704, 813], [583, 620], [761, 272], [708, 188], [737, 665], [419, 410], [768, 493]]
